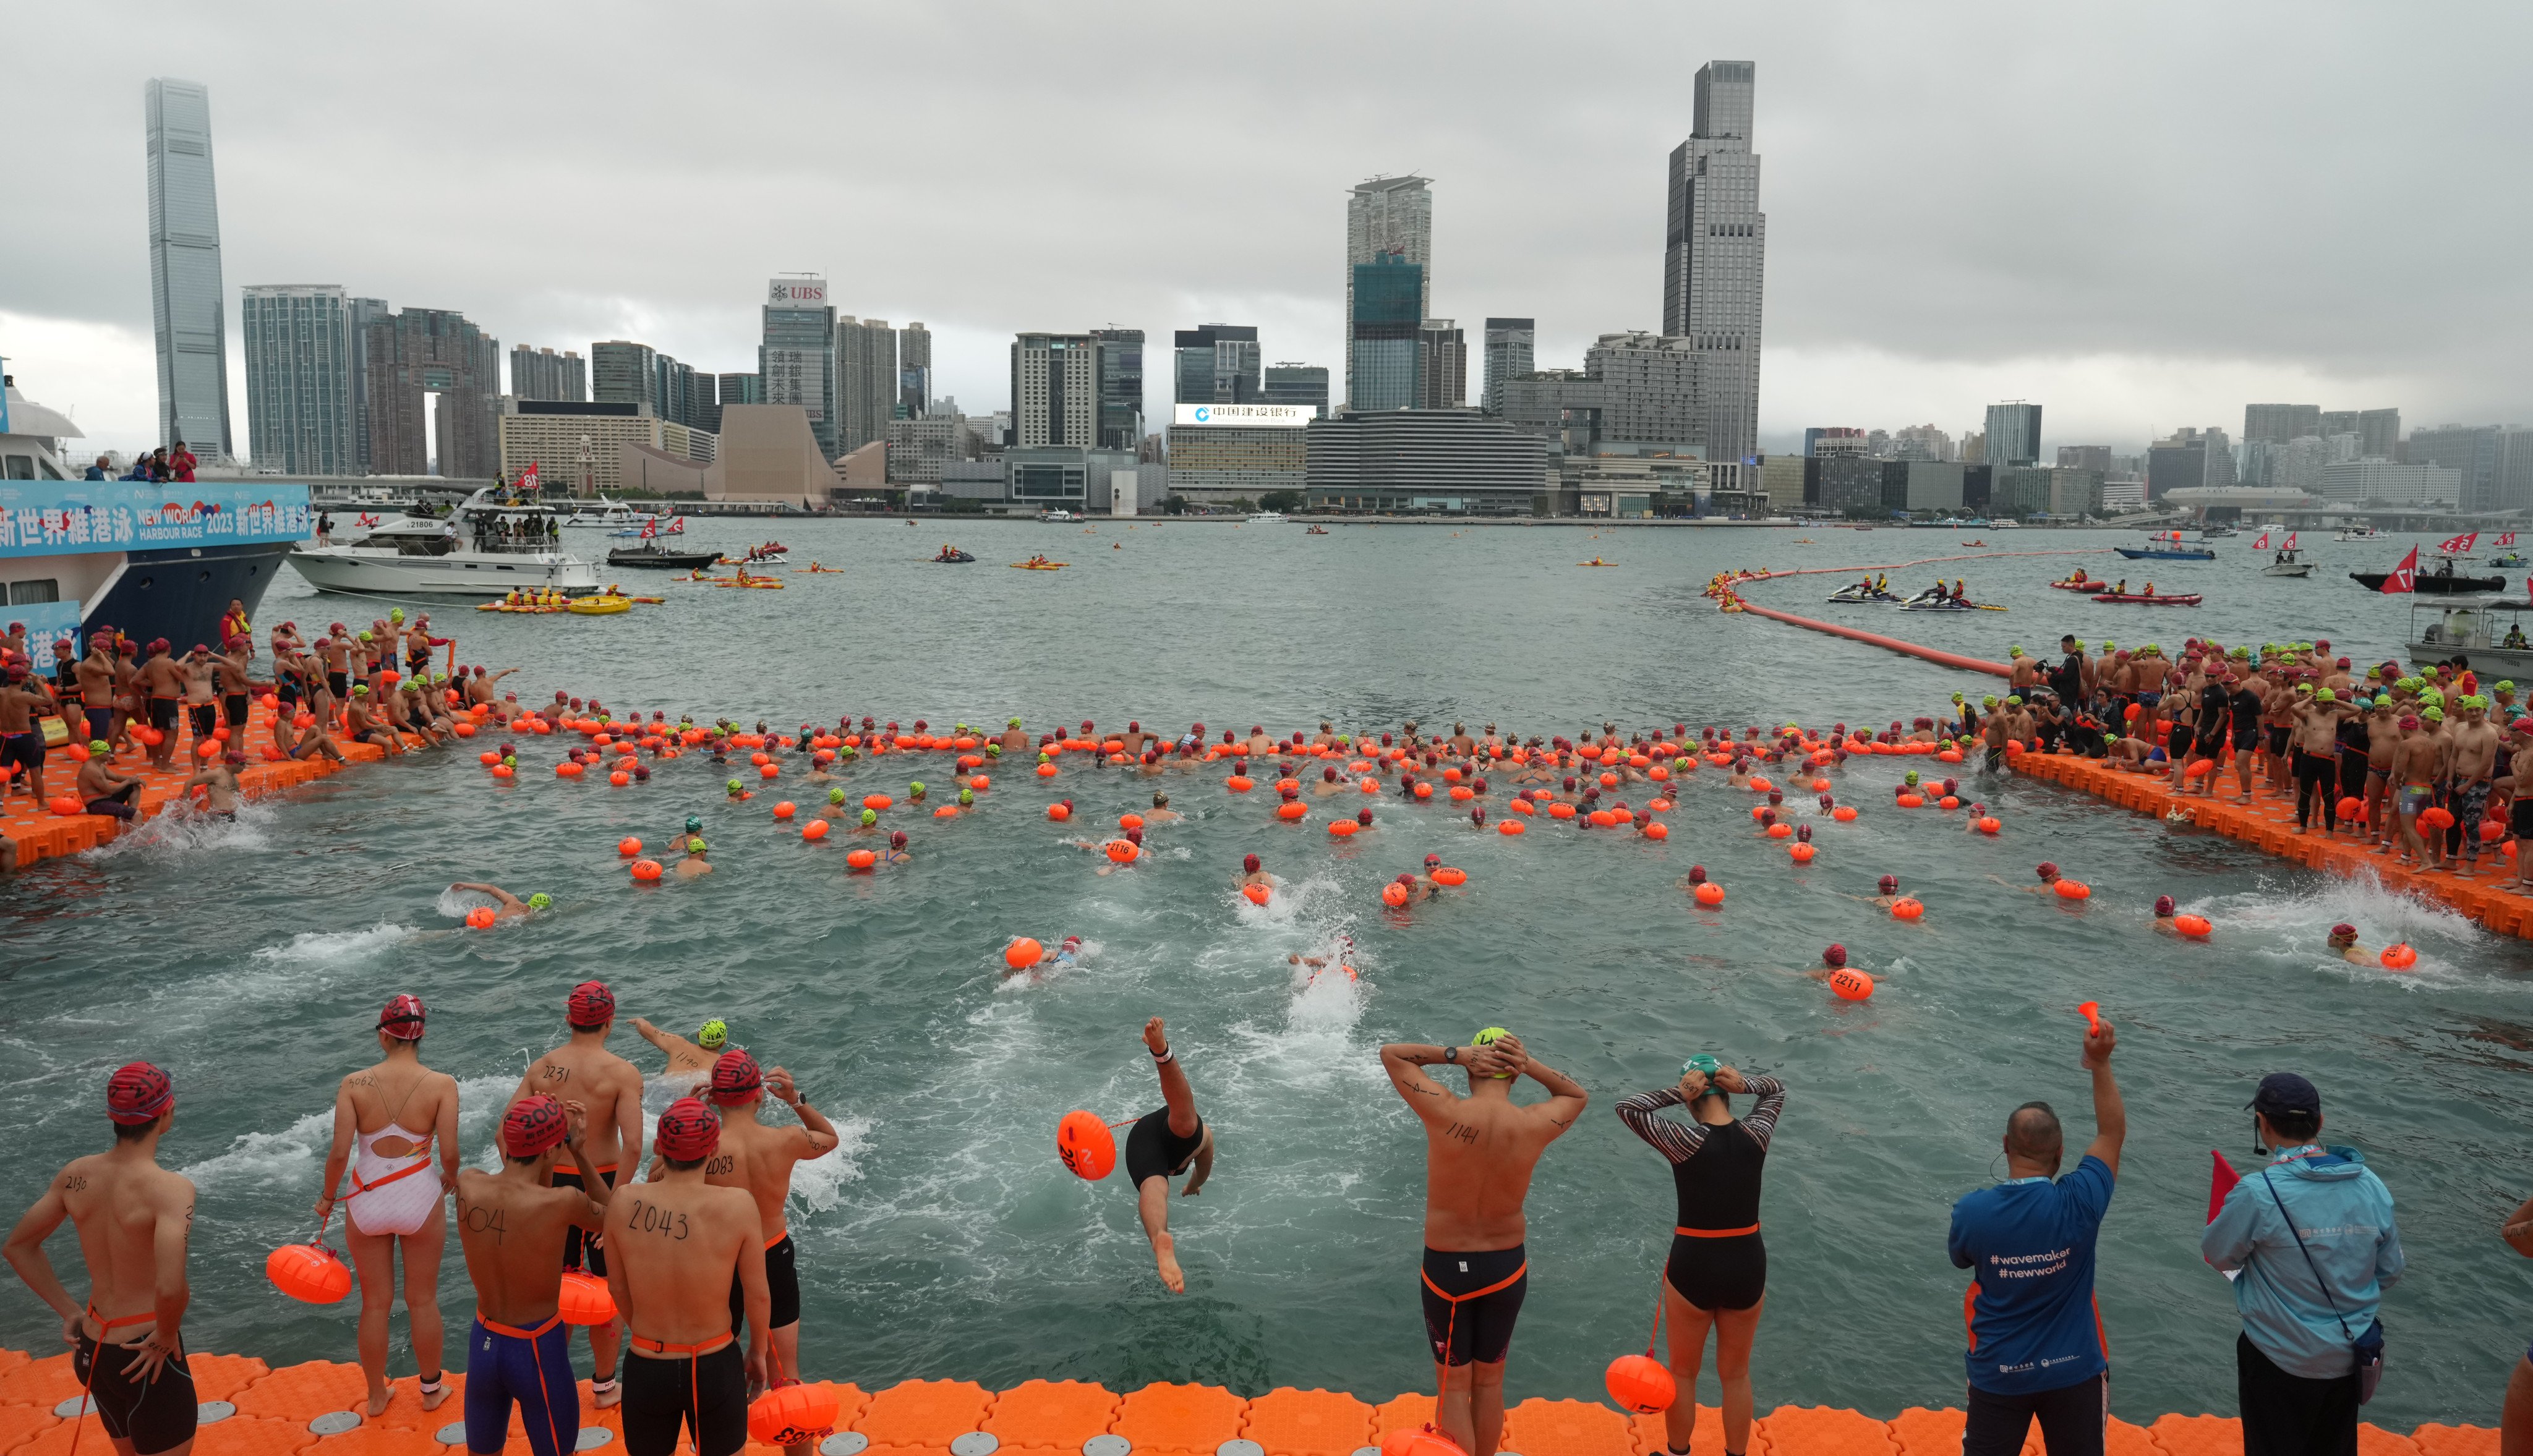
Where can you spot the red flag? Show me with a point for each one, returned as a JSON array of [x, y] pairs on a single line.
[[2507, 540], [2455, 546], [2220, 1182], [2262, 544], [528, 476], [2291, 541], [2399, 582], [650, 528]]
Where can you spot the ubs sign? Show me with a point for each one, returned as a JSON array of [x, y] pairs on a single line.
[[795, 293]]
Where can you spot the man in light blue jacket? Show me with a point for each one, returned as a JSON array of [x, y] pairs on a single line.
[[2313, 1237]]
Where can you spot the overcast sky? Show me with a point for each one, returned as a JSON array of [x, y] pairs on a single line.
[[2140, 215]]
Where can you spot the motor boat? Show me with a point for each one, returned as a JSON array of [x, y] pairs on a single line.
[[770, 554], [2441, 582], [1935, 599], [605, 512], [1267, 518], [2139, 599], [1861, 591], [2510, 558], [2470, 632], [651, 525], [950, 557], [2358, 533], [486, 546], [1317, 531], [2164, 554], [2287, 564], [649, 556], [1053, 517]]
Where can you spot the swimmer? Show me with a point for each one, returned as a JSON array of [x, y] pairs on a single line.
[[1064, 955], [1716, 1273], [676, 1293], [134, 1221], [1886, 894], [612, 1090], [510, 905], [1164, 1144], [2048, 873], [868, 822], [2163, 916], [895, 854], [1251, 874], [691, 1061], [1480, 1151], [103, 790], [693, 865], [915, 791], [1160, 812], [519, 1349], [394, 1210], [836, 808], [1832, 961], [2343, 944], [759, 1159], [218, 782]]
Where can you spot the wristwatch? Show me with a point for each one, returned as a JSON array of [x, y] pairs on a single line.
[[1451, 1054]]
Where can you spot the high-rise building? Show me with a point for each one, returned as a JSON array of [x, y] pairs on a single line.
[[1922, 443], [740, 388], [914, 371], [2476, 452], [543, 373], [1442, 365], [2012, 434], [1715, 250], [2096, 458], [2276, 424], [433, 351], [673, 396], [298, 370], [1390, 217], [1833, 439], [1299, 384], [796, 364], [2190, 458], [1218, 364], [186, 298], [1382, 357], [359, 315], [1121, 388], [2377, 432], [623, 373], [866, 381], [1055, 390], [1509, 344], [1649, 391]]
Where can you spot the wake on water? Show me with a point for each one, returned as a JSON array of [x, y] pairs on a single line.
[[2288, 926]]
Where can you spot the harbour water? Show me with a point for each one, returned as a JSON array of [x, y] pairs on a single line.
[[944, 1239]]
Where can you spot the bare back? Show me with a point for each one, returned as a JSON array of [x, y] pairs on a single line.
[[511, 1225], [1479, 1155], [672, 1246], [402, 1093], [135, 1219], [758, 1158], [607, 1085]]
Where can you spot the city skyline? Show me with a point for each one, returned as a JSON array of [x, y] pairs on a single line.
[[2135, 289]]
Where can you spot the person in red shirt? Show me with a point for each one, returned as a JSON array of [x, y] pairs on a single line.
[[181, 463]]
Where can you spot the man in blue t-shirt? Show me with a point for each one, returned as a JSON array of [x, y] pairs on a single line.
[[2037, 1346]]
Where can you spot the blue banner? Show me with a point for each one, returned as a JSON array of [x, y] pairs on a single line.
[[46, 623], [40, 518]]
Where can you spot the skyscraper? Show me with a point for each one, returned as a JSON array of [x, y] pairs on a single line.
[[433, 351], [672, 391], [866, 381], [2013, 434], [1218, 364], [1442, 365], [623, 373], [1055, 390], [1389, 217], [796, 362], [1509, 356], [1383, 356], [1121, 388], [1299, 384], [359, 315], [2276, 424], [185, 289], [543, 373], [1715, 249], [914, 371], [742, 388], [299, 370]]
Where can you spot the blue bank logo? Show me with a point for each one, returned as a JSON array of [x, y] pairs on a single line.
[[1203, 415]]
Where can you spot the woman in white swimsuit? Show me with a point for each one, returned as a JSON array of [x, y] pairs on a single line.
[[385, 1120]]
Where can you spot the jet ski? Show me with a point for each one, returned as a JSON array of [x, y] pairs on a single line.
[[1861, 591], [1929, 600]]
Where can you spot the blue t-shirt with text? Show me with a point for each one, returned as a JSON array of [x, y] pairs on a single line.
[[2028, 1244]]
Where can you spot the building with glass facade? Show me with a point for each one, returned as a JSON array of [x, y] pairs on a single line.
[[1442, 365], [299, 369], [2012, 434], [623, 373], [186, 298], [433, 351], [1389, 217], [1384, 358], [866, 381], [1121, 388], [1715, 251], [914, 371], [796, 364], [543, 373], [1299, 384], [1218, 364], [1508, 347], [1414, 460], [360, 315]]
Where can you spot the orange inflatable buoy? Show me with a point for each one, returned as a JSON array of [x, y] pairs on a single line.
[[768, 771], [1085, 1146], [1022, 954], [2193, 926], [1424, 790], [1781, 830], [1123, 852], [785, 810], [1641, 1384], [1509, 827], [1418, 1440], [66, 805], [1059, 812], [646, 870], [2072, 889], [1989, 824], [310, 1273], [1907, 908], [1850, 984], [1844, 813], [2395, 957], [794, 1415], [876, 802], [1294, 810], [859, 860], [1130, 821], [814, 830], [481, 917], [1046, 771], [1803, 853], [1710, 894], [620, 778], [1450, 876], [981, 783], [628, 846], [1394, 894], [584, 1300], [1257, 893], [1912, 801], [1657, 830], [1240, 784], [1560, 811], [1342, 827]]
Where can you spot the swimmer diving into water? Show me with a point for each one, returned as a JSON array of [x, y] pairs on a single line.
[[1164, 1142]]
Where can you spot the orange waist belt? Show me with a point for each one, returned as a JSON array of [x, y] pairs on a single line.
[[668, 1347], [359, 1188], [1448, 1296], [1715, 1233], [111, 1325], [513, 1331]]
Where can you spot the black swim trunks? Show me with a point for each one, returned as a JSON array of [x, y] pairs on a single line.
[[162, 714], [158, 1417], [782, 1285], [582, 1249], [1153, 1150], [233, 708], [1471, 1301], [205, 716], [339, 684], [706, 1394]]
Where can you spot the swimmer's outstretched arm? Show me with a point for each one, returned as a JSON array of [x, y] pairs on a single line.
[[509, 901], [667, 1042]]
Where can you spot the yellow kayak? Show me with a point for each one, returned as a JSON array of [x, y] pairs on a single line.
[[600, 606], [762, 586], [1039, 565]]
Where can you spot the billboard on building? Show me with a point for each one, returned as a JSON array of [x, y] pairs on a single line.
[[796, 292], [1265, 416]]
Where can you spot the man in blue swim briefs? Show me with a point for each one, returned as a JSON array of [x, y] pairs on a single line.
[[512, 1225], [1479, 1153]]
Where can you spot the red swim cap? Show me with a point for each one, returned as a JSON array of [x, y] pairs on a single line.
[[1890, 882], [136, 1093], [2047, 870], [688, 1132], [532, 1125], [2163, 904], [591, 1005], [1250, 863], [1835, 955], [402, 1019], [735, 1079]]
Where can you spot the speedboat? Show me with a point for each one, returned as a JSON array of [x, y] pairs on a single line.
[[1929, 600], [1317, 531], [1267, 518], [485, 546], [2358, 533], [649, 554], [605, 512], [1053, 517], [2139, 599], [2441, 582], [2472, 632], [769, 555], [2163, 554], [2511, 558], [2287, 565], [651, 525]]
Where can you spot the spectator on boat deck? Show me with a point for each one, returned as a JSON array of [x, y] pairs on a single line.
[[101, 470], [181, 463]]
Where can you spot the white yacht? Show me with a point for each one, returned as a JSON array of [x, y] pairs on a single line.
[[1269, 518], [484, 548], [2358, 533], [1059, 517], [612, 514]]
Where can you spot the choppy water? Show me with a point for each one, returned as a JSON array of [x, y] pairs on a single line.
[[944, 1240]]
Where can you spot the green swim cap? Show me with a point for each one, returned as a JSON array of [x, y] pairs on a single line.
[[100, 745], [695, 845], [2325, 696], [2014, 700], [870, 816], [1489, 1037], [835, 795], [916, 787], [694, 823], [2109, 645], [992, 751], [966, 795], [2433, 713], [712, 1034], [2382, 700], [1706, 1063], [1957, 697], [1011, 722], [2505, 686], [1988, 701], [2475, 701], [365, 636], [1909, 777], [360, 689], [540, 902], [735, 786]]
